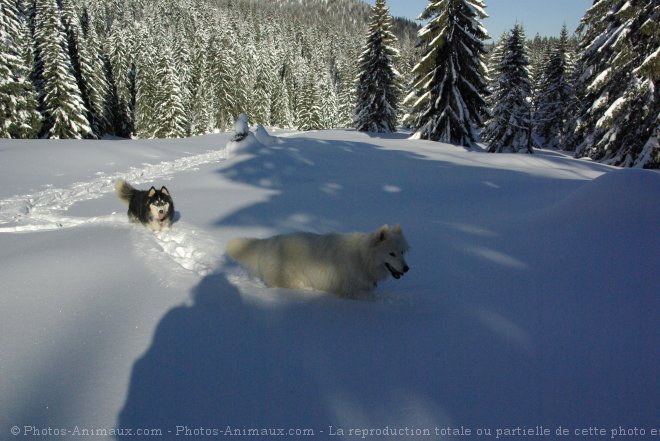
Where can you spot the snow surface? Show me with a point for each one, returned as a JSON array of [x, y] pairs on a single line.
[[532, 298]]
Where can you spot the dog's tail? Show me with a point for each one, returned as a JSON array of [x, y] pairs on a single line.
[[124, 190], [238, 248]]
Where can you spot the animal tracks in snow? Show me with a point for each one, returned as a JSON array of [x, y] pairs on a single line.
[[192, 249], [45, 210]]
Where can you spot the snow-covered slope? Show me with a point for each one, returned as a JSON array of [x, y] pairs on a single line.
[[532, 297]]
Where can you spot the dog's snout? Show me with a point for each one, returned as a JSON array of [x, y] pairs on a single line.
[[406, 269]]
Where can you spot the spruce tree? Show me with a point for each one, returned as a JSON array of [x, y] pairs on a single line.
[[510, 125], [619, 59], [378, 84], [555, 94], [309, 112], [281, 115], [121, 74], [448, 101], [218, 64], [170, 114], [493, 62], [64, 109], [146, 111], [200, 103], [19, 117]]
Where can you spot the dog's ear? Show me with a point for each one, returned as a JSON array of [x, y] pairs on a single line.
[[152, 192], [382, 233], [164, 190], [397, 229]]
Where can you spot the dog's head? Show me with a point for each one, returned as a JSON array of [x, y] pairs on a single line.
[[160, 202], [391, 245]]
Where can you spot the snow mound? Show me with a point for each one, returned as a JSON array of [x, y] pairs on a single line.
[[235, 147], [609, 202], [263, 136]]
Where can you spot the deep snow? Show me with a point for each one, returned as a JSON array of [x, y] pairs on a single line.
[[532, 298]]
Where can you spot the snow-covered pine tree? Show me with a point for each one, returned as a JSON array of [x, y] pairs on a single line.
[[170, 113], [64, 109], [347, 72], [281, 115], [121, 72], [98, 87], [448, 101], [493, 62], [308, 116], [19, 117], [87, 67], [262, 92], [618, 61], [329, 101], [379, 83], [146, 97], [510, 125], [218, 63], [555, 94], [200, 104]]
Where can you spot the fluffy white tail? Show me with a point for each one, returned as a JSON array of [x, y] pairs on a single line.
[[237, 248], [124, 190]]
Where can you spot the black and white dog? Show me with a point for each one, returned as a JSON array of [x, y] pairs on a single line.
[[152, 208]]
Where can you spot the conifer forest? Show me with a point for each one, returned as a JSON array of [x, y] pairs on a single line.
[[178, 68]]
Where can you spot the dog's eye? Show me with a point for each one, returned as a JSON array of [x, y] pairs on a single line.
[[392, 254]]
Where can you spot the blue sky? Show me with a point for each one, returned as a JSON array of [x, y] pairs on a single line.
[[545, 17]]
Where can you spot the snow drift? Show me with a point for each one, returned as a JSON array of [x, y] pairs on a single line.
[[532, 300]]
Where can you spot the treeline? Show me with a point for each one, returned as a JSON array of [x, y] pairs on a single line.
[[174, 68], [600, 101]]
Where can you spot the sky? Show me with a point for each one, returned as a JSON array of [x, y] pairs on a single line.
[[544, 17]]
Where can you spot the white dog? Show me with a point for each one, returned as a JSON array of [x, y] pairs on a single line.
[[346, 264]]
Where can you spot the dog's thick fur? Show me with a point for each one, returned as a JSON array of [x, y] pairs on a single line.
[[346, 264], [152, 208]]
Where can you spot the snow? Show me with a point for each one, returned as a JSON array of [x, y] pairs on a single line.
[[532, 297]]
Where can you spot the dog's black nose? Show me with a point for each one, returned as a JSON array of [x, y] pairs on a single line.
[[405, 269]]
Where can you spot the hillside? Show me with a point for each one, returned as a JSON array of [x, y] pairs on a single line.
[[531, 299]]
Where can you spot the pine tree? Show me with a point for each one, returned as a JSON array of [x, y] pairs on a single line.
[[64, 109], [494, 59], [146, 99], [619, 59], [220, 53], [19, 117], [347, 85], [121, 74], [510, 125], [555, 94], [309, 112], [328, 101], [98, 89], [448, 102], [378, 84], [280, 111], [87, 68], [262, 94], [200, 106], [170, 114]]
